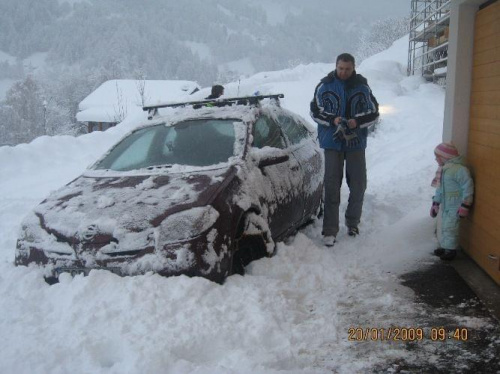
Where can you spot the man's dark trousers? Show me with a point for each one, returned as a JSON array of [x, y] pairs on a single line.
[[356, 180]]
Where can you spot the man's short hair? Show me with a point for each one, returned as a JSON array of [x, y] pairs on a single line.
[[346, 57]]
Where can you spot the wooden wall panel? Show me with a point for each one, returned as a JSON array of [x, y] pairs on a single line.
[[487, 215], [480, 238], [487, 29], [484, 174], [488, 14], [485, 97], [487, 261], [489, 139], [487, 70], [486, 84], [479, 153], [486, 43], [485, 125], [486, 57], [485, 111], [480, 234], [481, 247]]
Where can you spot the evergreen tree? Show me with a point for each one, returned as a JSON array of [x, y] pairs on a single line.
[[381, 35], [24, 111], [89, 42]]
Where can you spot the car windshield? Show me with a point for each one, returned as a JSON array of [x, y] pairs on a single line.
[[200, 142]]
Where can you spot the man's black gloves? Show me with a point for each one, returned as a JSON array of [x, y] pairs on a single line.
[[343, 132]]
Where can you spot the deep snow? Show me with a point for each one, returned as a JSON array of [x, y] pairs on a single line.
[[289, 313]]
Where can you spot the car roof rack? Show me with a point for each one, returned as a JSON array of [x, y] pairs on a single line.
[[242, 100]]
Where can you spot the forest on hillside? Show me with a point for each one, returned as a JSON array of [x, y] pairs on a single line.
[[88, 42]]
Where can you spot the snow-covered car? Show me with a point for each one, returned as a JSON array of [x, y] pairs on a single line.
[[201, 191]]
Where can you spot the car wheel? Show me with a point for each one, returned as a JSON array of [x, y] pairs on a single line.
[[252, 242], [317, 214]]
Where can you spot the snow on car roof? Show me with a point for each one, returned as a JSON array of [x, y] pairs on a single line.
[[245, 113], [221, 102]]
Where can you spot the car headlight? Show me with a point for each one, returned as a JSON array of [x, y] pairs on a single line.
[[30, 229], [187, 224], [25, 235]]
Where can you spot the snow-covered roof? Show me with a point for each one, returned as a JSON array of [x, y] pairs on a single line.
[[113, 100]]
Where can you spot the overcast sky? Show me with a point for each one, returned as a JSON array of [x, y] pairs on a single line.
[[375, 9]]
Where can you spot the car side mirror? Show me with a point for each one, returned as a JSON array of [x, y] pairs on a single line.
[[273, 160]]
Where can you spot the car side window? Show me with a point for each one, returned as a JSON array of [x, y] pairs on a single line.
[[294, 130], [267, 133]]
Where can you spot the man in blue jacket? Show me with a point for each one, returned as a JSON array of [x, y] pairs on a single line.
[[343, 107]]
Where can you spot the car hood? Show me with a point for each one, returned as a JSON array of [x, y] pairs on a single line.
[[130, 203]]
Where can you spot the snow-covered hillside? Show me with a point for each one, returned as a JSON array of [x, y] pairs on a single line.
[[289, 313]]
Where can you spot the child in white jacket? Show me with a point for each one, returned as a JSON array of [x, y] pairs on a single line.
[[453, 198]]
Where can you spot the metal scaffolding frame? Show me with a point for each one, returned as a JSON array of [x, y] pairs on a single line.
[[428, 44]]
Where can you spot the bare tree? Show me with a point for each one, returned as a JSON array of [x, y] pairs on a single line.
[[121, 108], [141, 87]]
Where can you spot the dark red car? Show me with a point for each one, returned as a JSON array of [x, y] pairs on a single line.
[[200, 191]]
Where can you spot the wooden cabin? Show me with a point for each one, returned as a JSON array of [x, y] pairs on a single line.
[[116, 99]]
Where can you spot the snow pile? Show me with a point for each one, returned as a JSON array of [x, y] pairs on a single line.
[[290, 313]]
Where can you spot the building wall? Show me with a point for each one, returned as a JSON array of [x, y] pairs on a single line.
[[99, 126], [458, 79], [481, 234], [472, 121]]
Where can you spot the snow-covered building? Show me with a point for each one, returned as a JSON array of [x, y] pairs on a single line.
[[115, 99], [472, 120]]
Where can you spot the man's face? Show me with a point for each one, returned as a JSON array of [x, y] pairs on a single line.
[[344, 69]]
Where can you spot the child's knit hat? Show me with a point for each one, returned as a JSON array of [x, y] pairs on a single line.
[[446, 150]]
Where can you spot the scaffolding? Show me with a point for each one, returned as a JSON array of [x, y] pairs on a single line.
[[428, 43]]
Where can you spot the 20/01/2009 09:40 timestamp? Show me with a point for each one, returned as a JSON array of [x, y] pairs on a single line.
[[407, 334]]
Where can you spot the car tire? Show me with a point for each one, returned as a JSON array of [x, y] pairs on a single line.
[[317, 214], [251, 243]]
